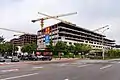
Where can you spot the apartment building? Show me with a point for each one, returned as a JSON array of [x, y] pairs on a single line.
[[71, 34]]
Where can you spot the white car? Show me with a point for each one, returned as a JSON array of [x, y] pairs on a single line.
[[40, 57], [9, 57]]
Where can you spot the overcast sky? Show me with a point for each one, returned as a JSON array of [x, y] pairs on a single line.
[[92, 14]]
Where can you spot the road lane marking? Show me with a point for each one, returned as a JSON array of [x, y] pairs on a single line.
[[1, 63], [108, 66], [66, 79], [37, 67], [19, 76], [64, 64], [10, 70], [84, 65], [119, 62]]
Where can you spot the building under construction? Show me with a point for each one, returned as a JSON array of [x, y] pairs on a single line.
[[24, 39], [71, 34]]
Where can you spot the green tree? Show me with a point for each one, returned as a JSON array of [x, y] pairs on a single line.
[[82, 48], [50, 46], [71, 48], [7, 48], [29, 48], [61, 47], [85, 48], [113, 53], [1, 39], [77, 48], [15, 48], [33, 46], [2, 49]]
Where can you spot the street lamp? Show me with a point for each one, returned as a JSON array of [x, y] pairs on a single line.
[[103, 50]]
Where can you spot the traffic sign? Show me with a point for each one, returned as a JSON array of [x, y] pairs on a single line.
[[47, 39]]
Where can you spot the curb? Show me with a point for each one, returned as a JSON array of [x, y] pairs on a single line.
[[50, 62], [1, 64]]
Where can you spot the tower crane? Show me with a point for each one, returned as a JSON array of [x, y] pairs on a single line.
[[101, 28], [52, 17]]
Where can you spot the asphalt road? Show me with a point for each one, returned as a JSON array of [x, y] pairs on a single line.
[[62, 71]]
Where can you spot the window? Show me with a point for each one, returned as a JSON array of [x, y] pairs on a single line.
[[59, 37], [70, 43], [65, 42], [40, 41], [74, 43]]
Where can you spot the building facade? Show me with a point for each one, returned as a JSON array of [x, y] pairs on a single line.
[[27, 39], [71, 34], [116, 46], [24, 39], [15, 41]]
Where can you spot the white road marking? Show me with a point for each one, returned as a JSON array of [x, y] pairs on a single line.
[[10, 70], [1, 63], [108, 66], [37, 67], [19, 76], [63, 64], [118, 62], [84, 65], [7, 63]]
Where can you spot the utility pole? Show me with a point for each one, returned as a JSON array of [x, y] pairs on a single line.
[[103, 49]]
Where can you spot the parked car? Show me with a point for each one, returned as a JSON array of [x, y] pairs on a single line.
[[15, 59], [2, 59], [9, 57], [40, 57], [24, 57], [33, 57], [46, 58]]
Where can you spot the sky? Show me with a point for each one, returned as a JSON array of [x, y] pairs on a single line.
[[91, 14]]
